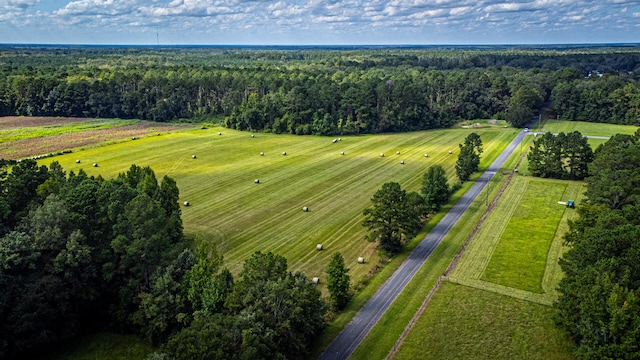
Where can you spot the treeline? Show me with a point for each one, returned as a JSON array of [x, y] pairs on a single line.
[[599, 303], [80, 254], [320, 91]]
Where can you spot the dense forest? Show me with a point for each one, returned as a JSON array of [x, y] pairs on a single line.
[[600, 293], [322, 90], [80, 254]]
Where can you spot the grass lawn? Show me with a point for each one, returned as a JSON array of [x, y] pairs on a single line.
[[588, 128], [520, 257], [466, 323], [241, 217]]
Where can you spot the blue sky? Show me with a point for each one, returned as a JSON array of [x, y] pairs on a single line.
[[306, 22]]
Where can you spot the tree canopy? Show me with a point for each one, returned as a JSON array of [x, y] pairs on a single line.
[[392, 218], [599, 304]]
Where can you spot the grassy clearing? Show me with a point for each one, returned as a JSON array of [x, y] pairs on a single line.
[[588, 128], [103, 346], [520, 257], [241, 217], [519, 244], [466, 323]]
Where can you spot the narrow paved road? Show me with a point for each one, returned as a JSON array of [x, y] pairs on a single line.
[[347, 341]]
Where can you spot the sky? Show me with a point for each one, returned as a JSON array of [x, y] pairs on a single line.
[[318, 22]]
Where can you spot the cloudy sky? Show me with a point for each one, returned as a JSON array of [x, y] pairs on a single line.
[[307, 22]]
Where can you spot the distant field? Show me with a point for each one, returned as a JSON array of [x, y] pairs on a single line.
[[241, 217], [466, 323], [588, 128], [22, 137]]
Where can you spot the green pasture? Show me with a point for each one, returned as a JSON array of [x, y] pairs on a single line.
[[241, 217], [588, 128], [466, 323], [516, 250], [30, 132]]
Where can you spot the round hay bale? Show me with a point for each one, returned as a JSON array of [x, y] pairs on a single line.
[[339, 139], [315, 280], [95, 164], [77, 161], [319, 247], [397, 152], [341, 152], [426, 155], [284, 153], [193, 156], [360, 260], [186, 203], [305, 209], [219, 133], [402, 162], [450, 152], [334, 141], [133, 138], [261, 154], [257, 181], [252, 135], [381, 155]]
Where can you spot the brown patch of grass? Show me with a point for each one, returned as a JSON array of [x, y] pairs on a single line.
[[38, 146], [11, 122]]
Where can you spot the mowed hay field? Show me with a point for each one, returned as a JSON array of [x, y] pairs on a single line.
[[228, 208], [496, 303]]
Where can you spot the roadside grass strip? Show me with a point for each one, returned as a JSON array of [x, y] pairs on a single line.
[[520, 257], [467, 323], [588, 128]]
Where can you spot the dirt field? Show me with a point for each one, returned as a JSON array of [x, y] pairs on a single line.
[[24, 148]]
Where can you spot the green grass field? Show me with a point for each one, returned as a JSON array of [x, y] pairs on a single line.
[[520, 257], [588, 128], [466, 323], [241, 217]]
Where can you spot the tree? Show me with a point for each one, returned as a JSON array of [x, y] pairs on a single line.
[[545, 157], [577, 154], [435, 188], [338, 281], [615, 173], [469, 157], [391, 219]]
